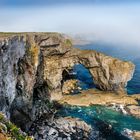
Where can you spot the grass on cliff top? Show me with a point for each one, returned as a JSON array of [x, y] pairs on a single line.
[[68, 42], [8, 34], [11, 131]]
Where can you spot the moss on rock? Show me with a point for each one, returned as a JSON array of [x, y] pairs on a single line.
[[9, 131]]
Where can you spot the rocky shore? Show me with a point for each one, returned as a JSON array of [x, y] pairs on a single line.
[[34, 71], [65, 128], [125, 103]]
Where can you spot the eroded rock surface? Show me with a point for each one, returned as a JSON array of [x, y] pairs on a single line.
[[11, 50], [97, 97], [134, 110], [32, 67], [109, 74], [126, 104], [62, 128], [136, 135], [69, 86]]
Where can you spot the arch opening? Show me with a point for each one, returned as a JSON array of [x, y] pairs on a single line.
[[76, 79], [83, 75]]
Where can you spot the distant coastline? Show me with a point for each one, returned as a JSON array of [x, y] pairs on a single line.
[[77, 40], [81, 42]]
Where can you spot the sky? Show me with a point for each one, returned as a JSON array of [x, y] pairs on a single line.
[[112, 21]]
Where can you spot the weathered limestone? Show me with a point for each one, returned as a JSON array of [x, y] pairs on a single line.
[[11, 50], [109, 74], [136, 135], [134, 110], [69, 86], [97, 97], [66, 127], [32, 67], [126, 104]]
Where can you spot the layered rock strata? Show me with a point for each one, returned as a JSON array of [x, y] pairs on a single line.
[[34, 67]]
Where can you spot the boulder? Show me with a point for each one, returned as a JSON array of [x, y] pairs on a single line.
[[61, 128], [136, 135], [134, 110], [69, 86]]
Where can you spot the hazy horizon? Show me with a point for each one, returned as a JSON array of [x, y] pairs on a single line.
[[96, 20]]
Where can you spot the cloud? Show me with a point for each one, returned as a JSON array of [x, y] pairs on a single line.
[[106, 23]]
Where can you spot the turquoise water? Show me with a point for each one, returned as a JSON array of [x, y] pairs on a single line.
[[99, 115], [124, 53]]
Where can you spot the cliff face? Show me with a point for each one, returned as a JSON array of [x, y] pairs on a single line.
[[32, 68], [9, 57]]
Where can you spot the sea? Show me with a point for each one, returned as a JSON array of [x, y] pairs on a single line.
[[99, 116]]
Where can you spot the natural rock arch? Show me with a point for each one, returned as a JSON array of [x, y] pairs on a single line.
[[109, 73], [48, 55], [29, 60]]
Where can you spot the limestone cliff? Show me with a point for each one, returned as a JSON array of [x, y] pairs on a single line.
[[32, 67]]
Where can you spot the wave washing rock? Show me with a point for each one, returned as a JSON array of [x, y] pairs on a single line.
[[32, 67]]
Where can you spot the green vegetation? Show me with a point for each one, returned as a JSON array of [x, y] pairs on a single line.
[[8, 34], [49, 104], [32, 50], [68, 42], [11, 131]]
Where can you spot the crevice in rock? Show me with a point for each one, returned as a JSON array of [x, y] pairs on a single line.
[[41, 70]]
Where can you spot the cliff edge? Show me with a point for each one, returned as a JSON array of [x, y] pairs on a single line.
[[33, 67]]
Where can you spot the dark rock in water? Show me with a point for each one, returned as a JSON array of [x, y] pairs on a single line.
[[106, 132], [31, 73]]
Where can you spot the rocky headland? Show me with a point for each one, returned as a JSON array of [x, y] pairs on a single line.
[[34, 71], [127, 104]]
